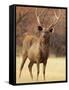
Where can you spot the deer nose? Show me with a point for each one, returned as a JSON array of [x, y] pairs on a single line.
[[43, 34]]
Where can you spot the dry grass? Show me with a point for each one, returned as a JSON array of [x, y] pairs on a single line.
[[55, 71]]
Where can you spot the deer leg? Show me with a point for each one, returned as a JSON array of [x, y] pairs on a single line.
[[37, 70], [44, 67], [30, 69], [23, 62]]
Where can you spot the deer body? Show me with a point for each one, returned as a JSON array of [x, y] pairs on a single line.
[[37, 50]]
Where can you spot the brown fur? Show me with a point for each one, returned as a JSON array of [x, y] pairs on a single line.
[[37, 50]]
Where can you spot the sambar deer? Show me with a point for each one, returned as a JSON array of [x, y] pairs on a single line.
[[36, 49]]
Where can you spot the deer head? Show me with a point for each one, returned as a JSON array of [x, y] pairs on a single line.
[[50, 28]]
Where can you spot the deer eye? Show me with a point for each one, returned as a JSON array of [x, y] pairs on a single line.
[[40, 28], [51, 30]]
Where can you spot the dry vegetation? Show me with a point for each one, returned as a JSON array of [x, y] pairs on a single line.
[[55, 71]]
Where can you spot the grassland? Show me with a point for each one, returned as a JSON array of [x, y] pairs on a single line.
[[55, 71]]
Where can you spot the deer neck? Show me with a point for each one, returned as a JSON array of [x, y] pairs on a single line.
[[44, 42]]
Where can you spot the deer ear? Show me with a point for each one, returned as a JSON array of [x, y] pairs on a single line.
[[51, 30]]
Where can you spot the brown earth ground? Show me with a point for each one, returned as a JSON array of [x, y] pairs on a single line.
[[55, 71]]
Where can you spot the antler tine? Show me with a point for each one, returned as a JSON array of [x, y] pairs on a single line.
[[45, 14], [57, 18], [38, 20], [38, 16]]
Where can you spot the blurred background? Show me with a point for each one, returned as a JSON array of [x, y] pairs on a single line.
[[26, 22]]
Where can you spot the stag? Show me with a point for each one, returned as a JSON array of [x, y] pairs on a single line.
[[37, 49]]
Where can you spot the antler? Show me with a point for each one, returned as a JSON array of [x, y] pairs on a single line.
[[37, 16], [57, 19]]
